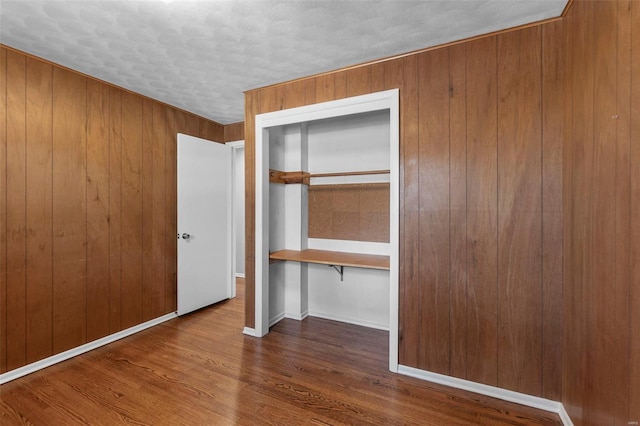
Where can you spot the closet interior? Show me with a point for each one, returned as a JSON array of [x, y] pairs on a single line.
[[329, 219]]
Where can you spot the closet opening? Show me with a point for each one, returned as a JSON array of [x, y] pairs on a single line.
[[327, 214]]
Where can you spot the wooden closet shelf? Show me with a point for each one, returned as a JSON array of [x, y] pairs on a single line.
[[335, 258]]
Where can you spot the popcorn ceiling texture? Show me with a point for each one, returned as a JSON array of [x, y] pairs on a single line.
[[201, 55]]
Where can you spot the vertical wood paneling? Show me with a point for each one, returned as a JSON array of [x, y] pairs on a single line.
[[340, 85], [377, 77], [634, 224], [359, 81], [3, 210], [158, 223], [115, 209], [75, 198], [552, 212], [433, 219], [604, 286], [153, 300], [310, 92], [519, 212], [579, 41], [98, 154], [131, 231], [232, 132], [69, 210], [15, 198], [482, 157], [620, 303], [250, 106], [38, 209], [325, 88], [458, 210], [171, 218], [294, 94], [409, 337]]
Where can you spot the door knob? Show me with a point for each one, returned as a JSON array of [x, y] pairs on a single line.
[[186, 236]]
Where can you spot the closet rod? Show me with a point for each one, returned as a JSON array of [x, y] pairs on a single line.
[[366, 172]]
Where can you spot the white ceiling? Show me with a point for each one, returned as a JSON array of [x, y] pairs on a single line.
[[201, 55]]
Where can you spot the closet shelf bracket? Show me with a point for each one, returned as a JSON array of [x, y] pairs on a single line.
[[339, 270]]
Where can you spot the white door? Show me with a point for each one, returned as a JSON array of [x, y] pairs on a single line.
[[204, 223]]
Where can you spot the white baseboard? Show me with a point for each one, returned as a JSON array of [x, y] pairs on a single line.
[[63, 356], [296, 316], [492, 391], [239, 275], [249, 331], [348, 320]]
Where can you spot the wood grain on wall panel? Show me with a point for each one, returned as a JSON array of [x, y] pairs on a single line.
[[69, 209], [232, 132], [409, 337], [16, 304], [325, 87], [358, 81], [293, 94], [39, 280], [115, 209], [171, 197], [621, 312], [578, 280], [153, 300], [377, 77], [552, 216], [340, 85], [433, 211], [458, 210], [131, 231], [604, 286], [3, 210], [250, 106], [310, 91], [158, 223], [519, 212], [634, 224], [98, 153], [482, 157]]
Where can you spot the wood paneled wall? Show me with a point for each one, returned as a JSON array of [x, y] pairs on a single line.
[[87, 207], [481, 202], [602, 209]]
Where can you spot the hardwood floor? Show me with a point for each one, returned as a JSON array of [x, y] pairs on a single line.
[[201, 370]]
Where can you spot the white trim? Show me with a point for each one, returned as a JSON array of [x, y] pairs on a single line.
[[249, 331], [296, 316], [385, 100], [492, 391], [235, 144], [47, 362], [564, 416], [348, 320]]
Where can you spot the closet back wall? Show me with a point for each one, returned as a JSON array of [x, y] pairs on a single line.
[[87, 207], [481, 202]]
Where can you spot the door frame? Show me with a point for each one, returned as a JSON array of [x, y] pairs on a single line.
[[235, 147], [385, 100]]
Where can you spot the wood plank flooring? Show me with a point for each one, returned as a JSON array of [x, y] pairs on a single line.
[[201, 370]]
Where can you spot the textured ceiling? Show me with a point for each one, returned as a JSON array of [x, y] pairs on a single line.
[[201, 55]]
